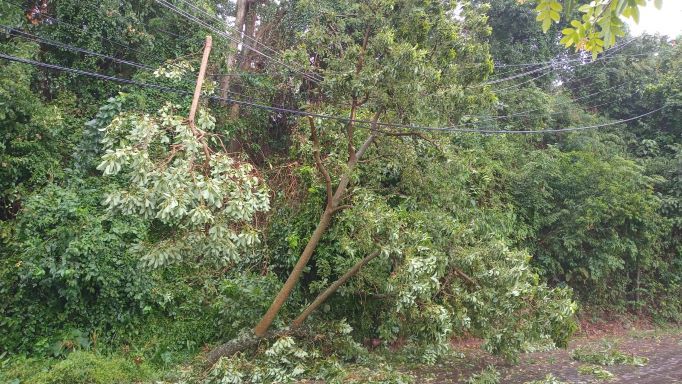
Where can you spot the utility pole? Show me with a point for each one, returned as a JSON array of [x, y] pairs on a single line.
[[200, 81]]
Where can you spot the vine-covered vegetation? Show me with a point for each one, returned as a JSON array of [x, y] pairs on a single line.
[[319, 221]]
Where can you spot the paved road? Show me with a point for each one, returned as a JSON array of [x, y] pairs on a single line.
[[664, 351]]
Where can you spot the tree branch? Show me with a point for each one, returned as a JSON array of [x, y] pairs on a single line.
[[325, 220], [354, 105], [345, 179], [318, 161], [364, 100], [350, 130], [322, 297], [466, 277], [341, 208]]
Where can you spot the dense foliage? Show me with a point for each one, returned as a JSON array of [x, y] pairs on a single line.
[[132, 240]]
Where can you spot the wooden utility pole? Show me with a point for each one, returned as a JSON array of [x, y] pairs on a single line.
[[200, 81]]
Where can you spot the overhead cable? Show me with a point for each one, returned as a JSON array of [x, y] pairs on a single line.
[[254, 40], [54, 43], [142, 66], [311, 77], [453, 129]]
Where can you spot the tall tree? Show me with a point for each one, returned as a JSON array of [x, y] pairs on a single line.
[[392, 61]]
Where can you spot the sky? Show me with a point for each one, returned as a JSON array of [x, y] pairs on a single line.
[[666, 21]]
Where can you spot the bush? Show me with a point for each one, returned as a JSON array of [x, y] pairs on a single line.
[[79, 367], [69, 265]]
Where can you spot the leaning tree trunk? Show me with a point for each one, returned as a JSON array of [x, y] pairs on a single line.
[[250, 341], [333, 205]]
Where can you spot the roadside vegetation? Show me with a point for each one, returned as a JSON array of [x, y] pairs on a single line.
[[366, 199]]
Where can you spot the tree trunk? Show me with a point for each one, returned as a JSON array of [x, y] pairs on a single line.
[[295, 274], [249, 341], [637, 284], [245, 57], [322, 297], [240, 16]]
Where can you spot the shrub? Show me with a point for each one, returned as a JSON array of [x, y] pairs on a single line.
[[89, 368], [69, 266]]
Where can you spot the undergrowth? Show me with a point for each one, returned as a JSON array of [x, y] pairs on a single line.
[[79, 367], [489, 375], [596, 371]]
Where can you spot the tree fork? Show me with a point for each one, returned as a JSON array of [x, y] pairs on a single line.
[[262, 327], [248, 341]]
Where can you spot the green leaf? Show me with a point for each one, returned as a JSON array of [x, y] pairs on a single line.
[[546, 23], [621, 6], [585, 8], [556, 6]]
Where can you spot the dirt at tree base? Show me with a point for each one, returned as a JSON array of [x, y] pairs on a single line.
[[662, 348]]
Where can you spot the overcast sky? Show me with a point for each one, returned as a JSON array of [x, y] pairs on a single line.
[[666, 21]]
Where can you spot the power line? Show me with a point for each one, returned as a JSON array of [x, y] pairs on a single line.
[[318, 115], [54, 43], [554, 63], [614, 48], [32, 37], [502, 90], [572, 129], [573, 79], [311, 77], [142, 66], [82, 32], [538, 109], [254, 40], [316, 77], [584, 108], [515, 76]]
